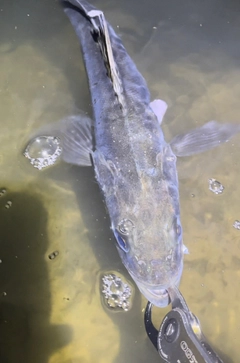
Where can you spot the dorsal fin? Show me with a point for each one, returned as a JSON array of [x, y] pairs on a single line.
[[106, 48]]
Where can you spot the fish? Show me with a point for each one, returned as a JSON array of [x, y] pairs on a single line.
[[135, 167]]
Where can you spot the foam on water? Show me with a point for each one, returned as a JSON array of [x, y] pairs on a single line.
[[43, 151], [117, 293]]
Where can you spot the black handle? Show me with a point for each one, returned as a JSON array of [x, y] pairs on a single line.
[[176, 341]]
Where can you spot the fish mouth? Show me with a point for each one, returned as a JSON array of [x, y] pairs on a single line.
[[156, 295]]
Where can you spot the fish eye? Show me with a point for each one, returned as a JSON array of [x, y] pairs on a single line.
[[121, 241], [179, 230], [177, 227]]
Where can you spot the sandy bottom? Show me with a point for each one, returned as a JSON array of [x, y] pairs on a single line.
[[51, 310]]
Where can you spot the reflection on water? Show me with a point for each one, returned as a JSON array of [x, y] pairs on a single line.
[[51, 309]]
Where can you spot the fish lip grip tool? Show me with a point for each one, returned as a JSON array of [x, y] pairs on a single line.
[[179, 338]]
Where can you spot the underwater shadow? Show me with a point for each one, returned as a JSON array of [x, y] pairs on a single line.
[[134, 343], [26, 333]]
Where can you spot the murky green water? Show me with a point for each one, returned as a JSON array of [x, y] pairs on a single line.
[[51, 310]]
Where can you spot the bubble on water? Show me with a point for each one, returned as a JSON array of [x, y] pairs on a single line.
[[2, 192], [53, 255], [125, 226], [236, 224], [4, 293], [43, 151], [215, 186], [117, 293], [8, 204]]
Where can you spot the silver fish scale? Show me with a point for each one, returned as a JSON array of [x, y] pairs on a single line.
[[134, 166]]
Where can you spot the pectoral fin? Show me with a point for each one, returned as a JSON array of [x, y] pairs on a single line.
[[159, 107], [185, 250], [77, 141], [203, 138], [75, 134]]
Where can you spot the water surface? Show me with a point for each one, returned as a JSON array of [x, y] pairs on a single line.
[[51, 310]]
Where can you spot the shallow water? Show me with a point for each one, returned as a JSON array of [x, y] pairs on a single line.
[[51, 310]]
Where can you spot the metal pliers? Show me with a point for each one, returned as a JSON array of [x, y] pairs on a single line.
[[179, 338]]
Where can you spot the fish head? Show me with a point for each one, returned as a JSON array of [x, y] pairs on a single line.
[[153, 257], [149, 241]]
